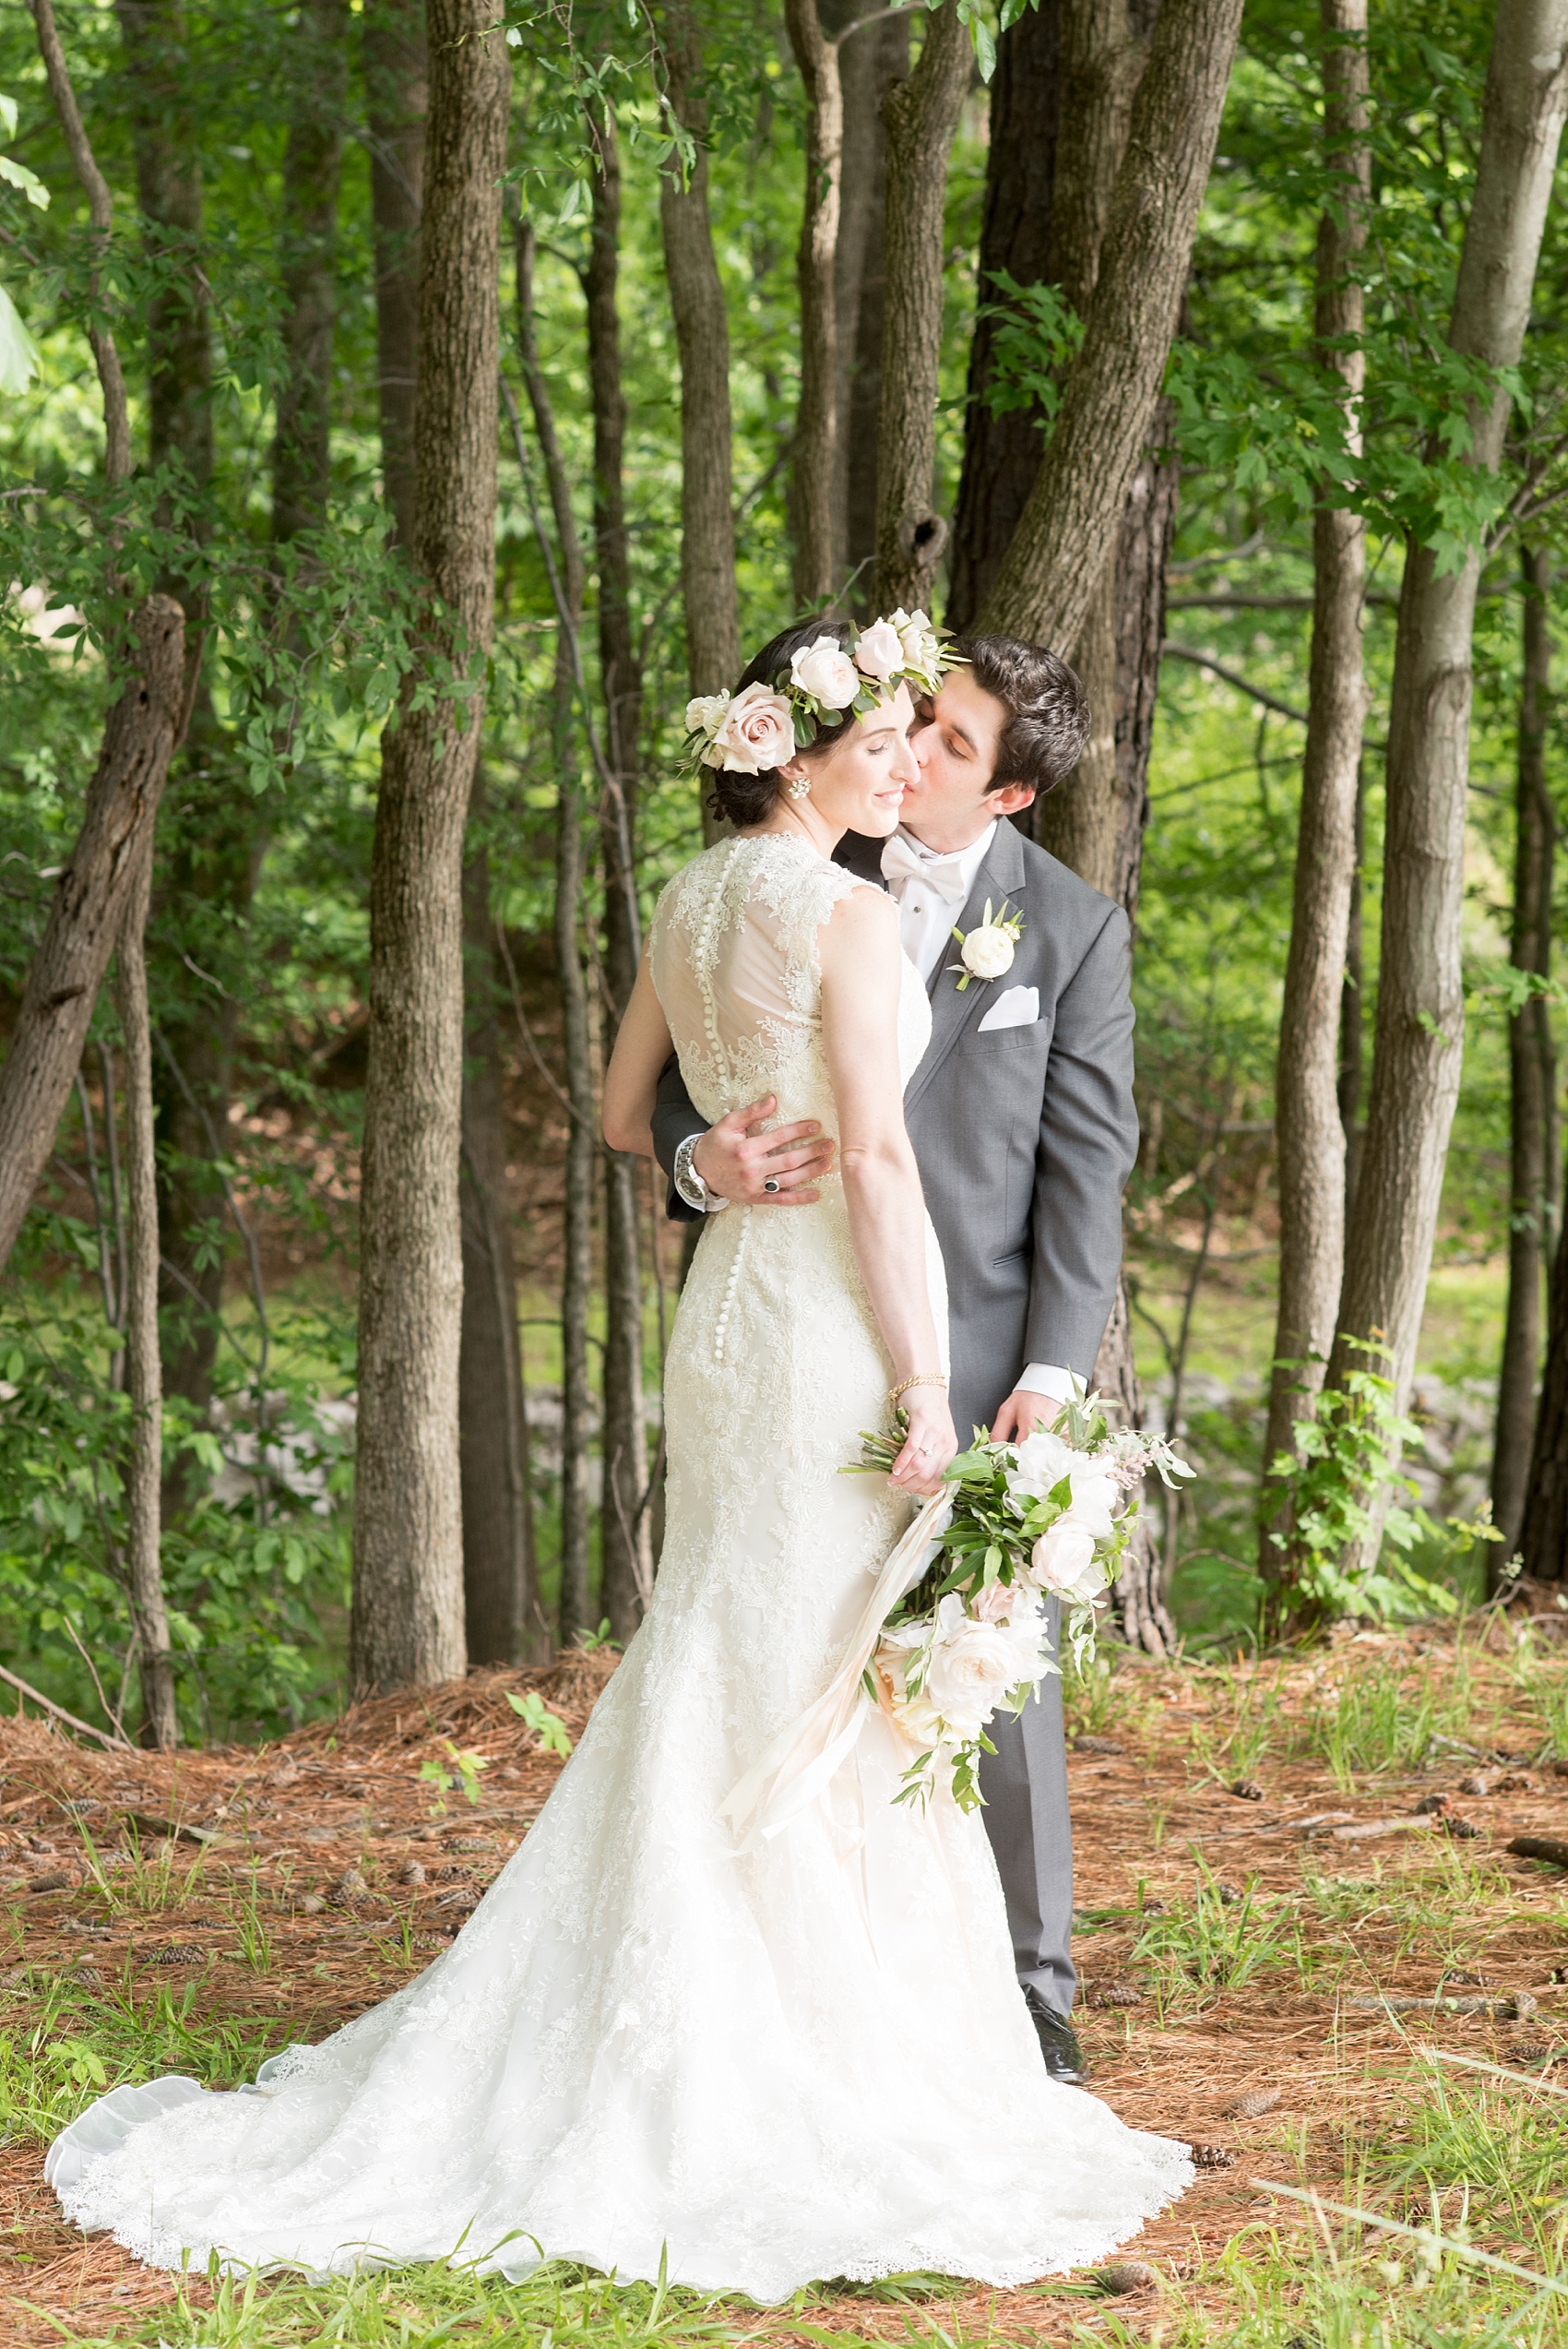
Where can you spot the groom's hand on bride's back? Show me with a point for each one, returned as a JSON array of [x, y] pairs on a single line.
[[740, 1156]]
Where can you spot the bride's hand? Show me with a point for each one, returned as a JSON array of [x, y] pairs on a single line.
[[929, 1444]]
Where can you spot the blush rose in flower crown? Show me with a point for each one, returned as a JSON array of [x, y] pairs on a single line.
[[752, 732], [1049, 1517]]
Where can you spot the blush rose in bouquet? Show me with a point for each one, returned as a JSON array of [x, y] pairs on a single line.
[[1048, 1517]]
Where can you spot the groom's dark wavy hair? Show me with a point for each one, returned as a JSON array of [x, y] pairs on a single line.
[[1047, 728]]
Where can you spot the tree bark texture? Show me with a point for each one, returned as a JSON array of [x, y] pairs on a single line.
[[1310, 1133], [813, 476], [702, 339], [498, 1553], [1531, 1071], [408, 1610], [582, 1119], [179, 340], [207, 846], [921, 117], [1094, 819], [1420, 1011], [868, 63], [1002, 453], [1066, 534], [396, 101], [624, 1521], [1352, 1010], [312, 168], [144, 1375], [577, 1022], [88, 907]]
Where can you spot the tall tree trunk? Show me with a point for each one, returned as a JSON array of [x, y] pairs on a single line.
[[868, 62], [144, 1378], [1531, 1069], [407, 1609], [813, 473], [179, 340], [1094, 819], [1106, 832], [498, 1552], [1421, 1009], [1002, 452], [89, 908], [1057, 557], [702, 337], [920, 117], [101, 902], [1309, 1123], [206, 826], [1352, 1011], [110, 860], [626, 1528], [308, 247], [576, 1024], [396, 101]]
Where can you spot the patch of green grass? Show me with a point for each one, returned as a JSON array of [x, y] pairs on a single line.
[[1383, 1716], [72, 2043], [1218, 1941]]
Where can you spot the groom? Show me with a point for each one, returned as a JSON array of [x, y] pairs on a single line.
[[1023, 1126]]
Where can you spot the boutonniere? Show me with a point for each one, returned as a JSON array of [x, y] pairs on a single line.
[[987, 952]]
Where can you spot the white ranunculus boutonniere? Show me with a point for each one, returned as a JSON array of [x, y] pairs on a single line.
[[987, 952]]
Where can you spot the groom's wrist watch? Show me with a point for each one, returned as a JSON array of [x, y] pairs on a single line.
[[689, 1183]]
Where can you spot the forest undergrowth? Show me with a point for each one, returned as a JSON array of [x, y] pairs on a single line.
[[1305, 1945]]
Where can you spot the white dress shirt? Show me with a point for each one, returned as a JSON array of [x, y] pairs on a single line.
[[931, 889]]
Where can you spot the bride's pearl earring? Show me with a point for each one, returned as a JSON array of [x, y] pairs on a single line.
[[799, 787]]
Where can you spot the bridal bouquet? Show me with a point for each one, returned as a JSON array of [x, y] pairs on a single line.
[[1047, 1517]]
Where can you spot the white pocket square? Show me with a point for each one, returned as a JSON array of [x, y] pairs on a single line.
[[1017, 1008]]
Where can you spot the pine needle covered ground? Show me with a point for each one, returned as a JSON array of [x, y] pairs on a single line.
[[1296, 1955]]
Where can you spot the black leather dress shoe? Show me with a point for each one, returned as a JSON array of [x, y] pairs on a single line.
[[1064, 2059]]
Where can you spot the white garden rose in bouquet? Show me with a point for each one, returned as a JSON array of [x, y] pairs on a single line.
[[1045, 1517]]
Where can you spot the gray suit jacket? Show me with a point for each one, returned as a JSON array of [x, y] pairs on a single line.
[[1024, 1137]]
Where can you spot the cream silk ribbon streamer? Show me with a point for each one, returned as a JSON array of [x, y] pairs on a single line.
[[798, 1765]]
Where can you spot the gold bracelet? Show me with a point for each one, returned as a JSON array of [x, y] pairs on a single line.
[[921, 1379]]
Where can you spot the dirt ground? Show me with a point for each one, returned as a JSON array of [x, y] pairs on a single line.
[[285, 1826]]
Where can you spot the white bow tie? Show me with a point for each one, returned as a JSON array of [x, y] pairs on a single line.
[[902, 862]]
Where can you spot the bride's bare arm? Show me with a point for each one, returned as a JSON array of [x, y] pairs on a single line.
[[631, 1081], [860, 965]]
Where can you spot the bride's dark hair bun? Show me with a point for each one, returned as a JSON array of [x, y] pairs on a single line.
[[741, 799]]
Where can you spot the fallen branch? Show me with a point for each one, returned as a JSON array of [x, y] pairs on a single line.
[[116, 1745], [1540, 1847]]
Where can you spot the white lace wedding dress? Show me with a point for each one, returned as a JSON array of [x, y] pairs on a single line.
[[805, 2062]]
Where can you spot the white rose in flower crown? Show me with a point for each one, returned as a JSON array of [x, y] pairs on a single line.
[[972, 1667], [827, 673], [704, 712], [987, 952], [879, 651], [918, 639], [1063, 1561], [757, 734]]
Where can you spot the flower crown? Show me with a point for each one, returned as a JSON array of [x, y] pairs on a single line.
[[756, 730]]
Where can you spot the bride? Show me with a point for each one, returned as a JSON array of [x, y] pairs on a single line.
[[758, 2062]]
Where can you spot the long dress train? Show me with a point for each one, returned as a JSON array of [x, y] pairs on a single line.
[[809, 2059]]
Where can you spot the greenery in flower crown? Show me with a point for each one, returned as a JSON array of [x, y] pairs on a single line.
[[825, 682]]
